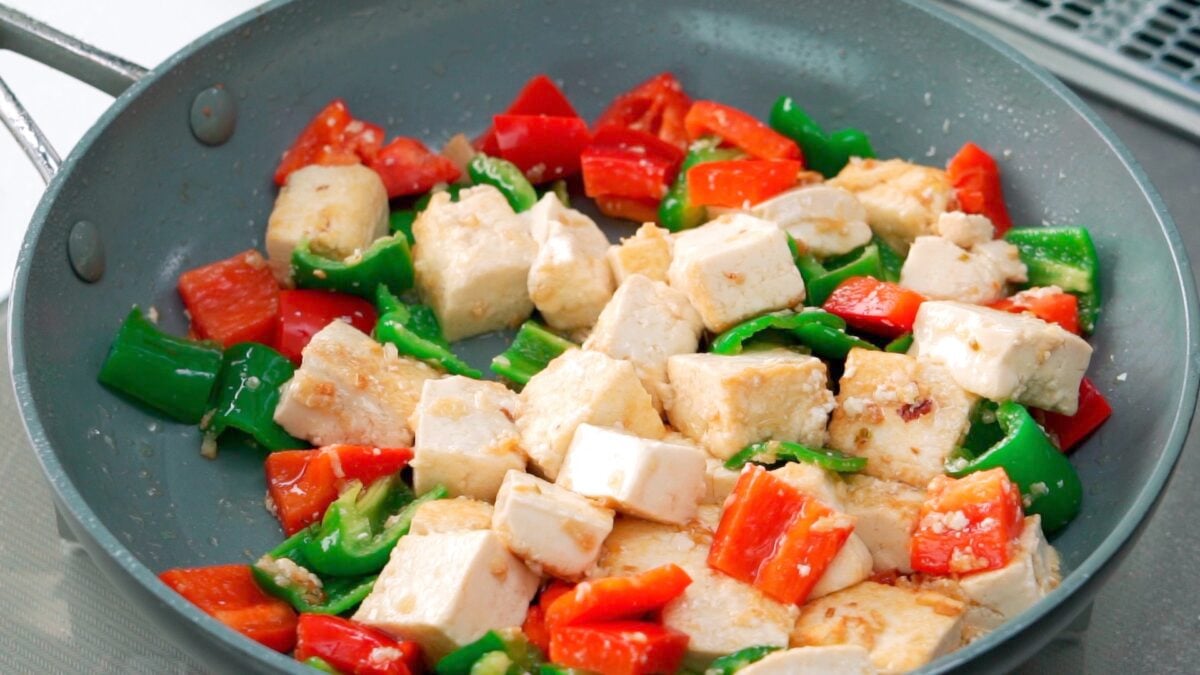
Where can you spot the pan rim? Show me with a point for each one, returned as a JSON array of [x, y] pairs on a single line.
[[68, 497]]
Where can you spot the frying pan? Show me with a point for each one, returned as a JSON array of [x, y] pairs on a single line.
[[132, 487]]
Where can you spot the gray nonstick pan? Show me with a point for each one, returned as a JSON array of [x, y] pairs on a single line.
[[156, 194]]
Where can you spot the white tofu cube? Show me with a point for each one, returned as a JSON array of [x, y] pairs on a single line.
[[824, 220], [581, 387], [718, 613], [570, 280], [446, 590], [645, 323], [903, 200], [734, 268], [904, 415], [1003, 356], [647, 252], [725, 403], [461, 514], [939, 269], [831, 660], [964, 229], [339, 209], [1031, 573], [553, 529], [886, 513], [901, 628], [718, 481], [472, 260], [812, 480], [642, 477], [466, 438], [351, 389]]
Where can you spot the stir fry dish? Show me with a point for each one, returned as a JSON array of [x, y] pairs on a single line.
[[812, 415]]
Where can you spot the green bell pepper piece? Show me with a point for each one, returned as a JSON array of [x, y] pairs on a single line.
[[900, 345], [830, 342], [247, 393], [387, 261], [559, 188], [733, 340], [320, 664], [422, 202], [1049, 485], [890, 258], [361, 527], [496, 653], [505, 177], [414, 330], [172, 375], [825, 153], [336, 595], [494, 663], [772, 452], [531, 350], [461, 660], [731, 663], [555, 669], [676, 212], [983, 432], [866, 263], [1063, 257], [402, 220]]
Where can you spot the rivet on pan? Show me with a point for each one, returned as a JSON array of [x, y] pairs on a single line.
[[85, 249], [214, 115]]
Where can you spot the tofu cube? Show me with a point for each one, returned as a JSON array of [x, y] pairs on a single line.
[[472, 260], [351, 389], [823, 219], [939, 269], [725, 403], [466, 437], [647, 252], [734, 268], [645, 323], [339, 209], [1005, 257], [1003, 356], [964, 229], [718, 613], [551, 528], [1031, 573], [461, 514], [581, 386], [718, 481], [570, 280], [903, 414], [886, 513], [901, 628], [831, 660], [903, 200], [653, 479], [812, 480], [446, 590]]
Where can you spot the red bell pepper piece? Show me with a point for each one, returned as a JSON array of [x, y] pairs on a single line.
[[740, 183], [613, 172], [232, 300], [303, 483], [354, 649], [539, 96], [620, 648], [1068, 430], [333, 137], [407, 167], [639, 142], [739, 129], [302, 314], [775, 537], [613, 598], [976, 181], [1049, 304], [229, 594], [629, 208], [877, 307], [535, 626], [546, 148], [657, 106], [967, 524]]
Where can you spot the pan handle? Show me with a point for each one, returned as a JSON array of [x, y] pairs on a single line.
[[34, 39]]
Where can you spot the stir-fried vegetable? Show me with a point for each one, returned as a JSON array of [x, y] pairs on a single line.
[[825, 153], [246, 394], [387, 262]]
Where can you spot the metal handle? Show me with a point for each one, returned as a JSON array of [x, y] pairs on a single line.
[[34, 39]]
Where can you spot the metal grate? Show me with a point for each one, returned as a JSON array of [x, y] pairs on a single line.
[[1143, 53]]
